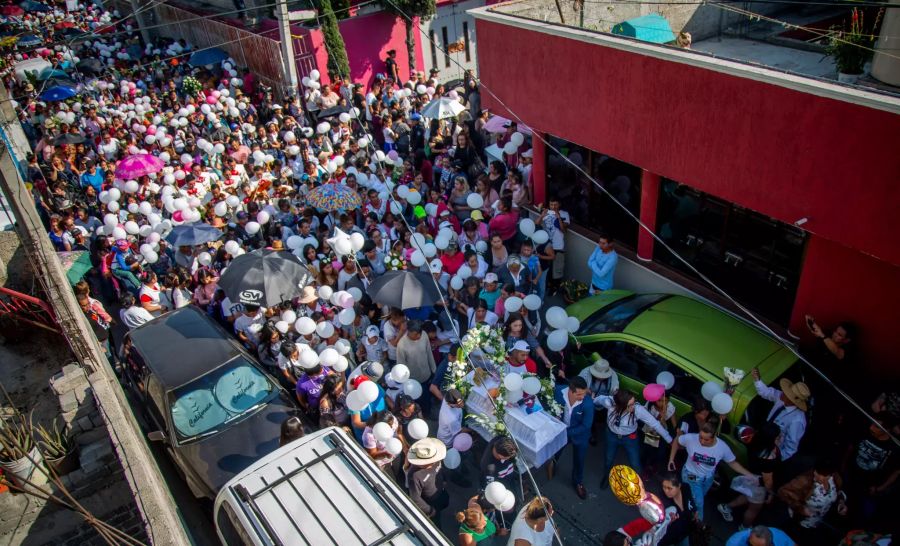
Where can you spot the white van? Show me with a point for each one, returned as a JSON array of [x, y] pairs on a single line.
[[320, 490]]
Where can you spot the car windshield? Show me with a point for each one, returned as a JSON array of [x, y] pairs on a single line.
[[208, 403], [616, 316]]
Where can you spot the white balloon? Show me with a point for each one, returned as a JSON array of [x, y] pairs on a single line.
[[475, 201], [294, 242], [132, 227], [429, 250], [413, 389], [666, 379], [382, 432], [342, 364], [441, 242], [531, 385], [513, 304], [400, 373], [252, 228], [495, 493], [305, 326], [393, 446], [343, 247], [355, 293], [556, 317], [233, 201], [119, 233], [282, 326], [151, 257], [456, 282], [110, 220], [526, 226], [355, 402], [572, 324], [540, 237], [417, 259], [205, 258], [145, 208], [517, 138], [289, 316], [453, 459], [532, 302], [342, 346], [464, 272], [262, 217], [414, 198], [513, 382], [418, 429], [722, 403], [325, 329], [508, 503], [325, 292], [221, 209], [308, 358], [347, 316], [710, 389], [557, 340], [112, 206], [357, 241], [369, 391]]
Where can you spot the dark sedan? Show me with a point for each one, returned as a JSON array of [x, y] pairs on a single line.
[[205, 397]]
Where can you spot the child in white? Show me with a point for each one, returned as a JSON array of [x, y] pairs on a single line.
[[450, 418], [372, 347]]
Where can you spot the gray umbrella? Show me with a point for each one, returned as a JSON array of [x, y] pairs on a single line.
[[264, 277], [193, 234], [404, 289]]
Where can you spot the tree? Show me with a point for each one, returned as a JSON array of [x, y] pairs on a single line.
[[407, 10], [334, 42]]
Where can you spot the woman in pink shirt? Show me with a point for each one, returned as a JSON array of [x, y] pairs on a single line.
[[504, 224]]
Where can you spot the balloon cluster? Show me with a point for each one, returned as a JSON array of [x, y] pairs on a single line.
[[563, 325], [497, 494], [529, 229], [515, 140]]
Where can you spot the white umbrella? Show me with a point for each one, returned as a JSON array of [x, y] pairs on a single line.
[[442, 108]]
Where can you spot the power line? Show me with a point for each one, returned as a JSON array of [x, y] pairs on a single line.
[[663, 243]]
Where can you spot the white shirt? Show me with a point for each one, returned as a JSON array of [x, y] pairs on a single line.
[[449, 423], [557, 237], [702, 460], [567, 415], [627, 424], [490, 318], [243, 324], [791, 420], [390, 332], [134, 316], [229, 309], [521, 531]]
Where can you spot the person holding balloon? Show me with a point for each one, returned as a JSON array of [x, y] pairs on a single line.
[[705, 450], [622, 417]]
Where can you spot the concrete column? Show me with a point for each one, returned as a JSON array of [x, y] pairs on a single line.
[[539, 168], [886, 64], [649, 200]]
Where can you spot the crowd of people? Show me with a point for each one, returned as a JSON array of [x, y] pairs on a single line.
[[240, 159]]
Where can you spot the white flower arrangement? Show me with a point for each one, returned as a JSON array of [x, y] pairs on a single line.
[[733, 377], [487, 341]]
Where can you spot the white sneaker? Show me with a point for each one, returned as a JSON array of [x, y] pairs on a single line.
[[725, 511]]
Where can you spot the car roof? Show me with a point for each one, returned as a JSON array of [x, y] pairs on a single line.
[[182, 345], [324, 489], [706, 336]]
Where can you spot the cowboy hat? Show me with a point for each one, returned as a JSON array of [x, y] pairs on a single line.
[[426, 451], [798, 393], [308, 295], [601, 369]]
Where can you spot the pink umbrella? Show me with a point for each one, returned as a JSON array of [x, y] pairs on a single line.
[[495, 125], [138, 165]]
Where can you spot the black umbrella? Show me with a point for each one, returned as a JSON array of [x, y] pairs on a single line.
[[90, 65], [68, 138], [264, 277], [404, 289], [193, 234]]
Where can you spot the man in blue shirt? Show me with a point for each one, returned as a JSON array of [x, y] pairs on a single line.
[[603, 262], [760, 536]]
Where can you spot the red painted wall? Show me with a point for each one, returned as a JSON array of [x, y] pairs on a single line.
[[780, 152], [838, 283]]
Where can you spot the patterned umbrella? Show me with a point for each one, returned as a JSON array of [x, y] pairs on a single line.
[[138, 165], [29, 40], [334, 197]]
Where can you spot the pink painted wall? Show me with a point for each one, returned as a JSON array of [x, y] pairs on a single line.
[[368, 39]]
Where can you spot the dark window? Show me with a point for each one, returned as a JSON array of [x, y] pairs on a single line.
[[751, 256], [616, 316], [156, 401], [433, 41], [466, 40], [446, 44], [589, 206]]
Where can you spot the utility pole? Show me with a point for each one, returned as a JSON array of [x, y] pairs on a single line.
[[287, 49]]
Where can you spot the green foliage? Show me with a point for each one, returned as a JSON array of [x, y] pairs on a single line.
[[54, 443], [15, 437], [334, 42], [852, 47]]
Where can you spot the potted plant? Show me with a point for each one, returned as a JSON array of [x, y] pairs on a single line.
[[852, 47], [58, 451], [573, 290], [19, 456]]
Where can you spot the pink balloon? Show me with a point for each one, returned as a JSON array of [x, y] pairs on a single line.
[[177, 216], [347, 301], [393, 155], [151, 130], [462, 442], [210, 99]]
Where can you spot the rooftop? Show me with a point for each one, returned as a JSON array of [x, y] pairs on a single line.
[[716, 30]]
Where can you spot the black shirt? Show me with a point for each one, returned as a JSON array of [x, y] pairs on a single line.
[[493, 469], [681, 527]]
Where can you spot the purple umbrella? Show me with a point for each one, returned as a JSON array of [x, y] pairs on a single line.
[[138, 165]]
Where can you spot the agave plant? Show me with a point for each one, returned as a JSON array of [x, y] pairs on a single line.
[[16, 440], [54, 442]]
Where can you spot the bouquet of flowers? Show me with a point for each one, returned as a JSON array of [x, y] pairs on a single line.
[[456, 377], [548, 389], [191, 86], [488, 342], [395, 261], [493, 425], [733, 376]]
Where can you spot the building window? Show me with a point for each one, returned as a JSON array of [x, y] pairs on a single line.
[[589, 206], [466, 41], [433, 40], [754, 258], [446, 52]]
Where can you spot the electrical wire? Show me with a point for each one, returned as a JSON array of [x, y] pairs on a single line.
[[743, 309]]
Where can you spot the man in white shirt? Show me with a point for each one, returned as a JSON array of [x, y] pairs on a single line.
[[788, 411], [450, 417], [244, 325], [131, 314], [555, 222]]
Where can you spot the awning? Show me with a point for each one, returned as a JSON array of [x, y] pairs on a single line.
[[651, 28]]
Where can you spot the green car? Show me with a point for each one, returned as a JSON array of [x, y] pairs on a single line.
[[642, 335]]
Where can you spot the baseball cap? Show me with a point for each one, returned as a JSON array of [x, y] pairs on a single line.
[[520, 345], [242, 215], [372, 331], [476, 215], [490, 277]]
